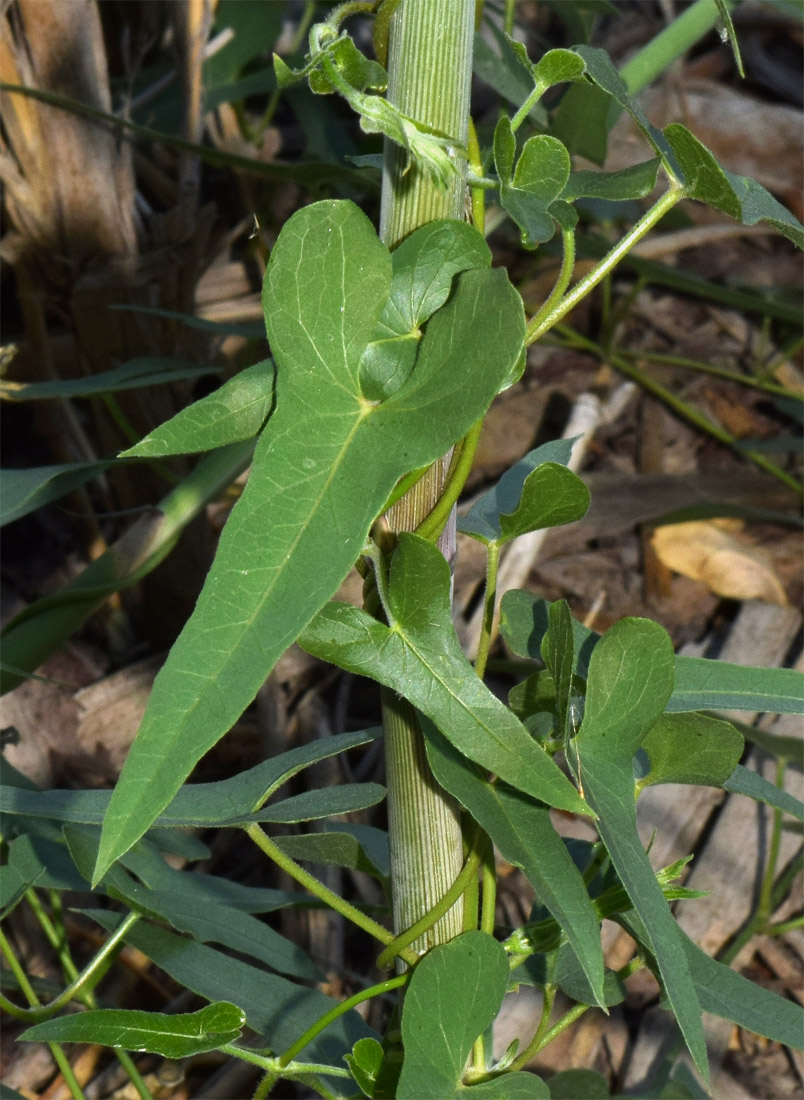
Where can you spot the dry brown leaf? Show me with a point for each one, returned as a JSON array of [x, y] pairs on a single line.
[[718, 553]]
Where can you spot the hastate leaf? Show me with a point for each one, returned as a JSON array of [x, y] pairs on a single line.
[[538, 492], [424, 267], [454, 995], [322, 471], [419, 656], [738, 196], [630, 680]]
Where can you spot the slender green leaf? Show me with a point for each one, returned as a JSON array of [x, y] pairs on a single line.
[[56, 869], [538, 492], [136, 373], [44, 626], [26, 490], [630, 680], [249, 330], [726, 993], [234, 412], [691, 748], [571, 978], [523, 832], [327, 802], [703, 684], [784, 747], [150, 867], [210, 923], [276, 1008], [326, 285], [420, 658], [738, 196], [227, 802], [178, 1036], [748, 782]]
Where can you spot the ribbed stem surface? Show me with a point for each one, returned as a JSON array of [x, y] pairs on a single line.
[[429, 71]]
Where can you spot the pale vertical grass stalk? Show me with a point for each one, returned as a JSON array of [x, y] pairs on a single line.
[[429, 67]]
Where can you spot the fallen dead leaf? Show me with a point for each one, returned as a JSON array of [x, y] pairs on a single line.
[[719, 554]]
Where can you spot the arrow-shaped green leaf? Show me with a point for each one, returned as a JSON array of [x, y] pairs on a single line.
[[322, 471], [419, 657]]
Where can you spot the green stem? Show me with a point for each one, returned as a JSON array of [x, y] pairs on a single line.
[[58, 942], [334, 1013], [80, 986], [339, 904], [542, 1029], [436, 520], [489, 603], [537, 328], [434, 914], [60, 1058], [718, 372], [478, 193], [563, 280], [764, 904], [784, 926], [527, 106], [685, 411]]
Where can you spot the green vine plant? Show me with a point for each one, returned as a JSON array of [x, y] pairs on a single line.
[[383, 360]]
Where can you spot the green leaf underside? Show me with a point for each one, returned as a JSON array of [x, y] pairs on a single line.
[[210, 923], [326, 285], [234, 412], [420, 658], [276, 1008], [361, 848], [629, 183], [522, 831], [136, 373], [630, 681], [700, 683], [558, 653], [691, 748], [470, 972], [26, 490], [538, 492], [158, 1033], [228, 802]]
